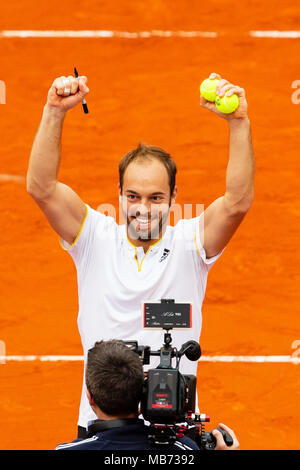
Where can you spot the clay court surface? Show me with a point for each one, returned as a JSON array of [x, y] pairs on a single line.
[[147, 89]]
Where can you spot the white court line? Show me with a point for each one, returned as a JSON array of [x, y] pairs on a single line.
[[4, 177], [275, 34], [106, 34], [40, 358], [254, 359], [245, 359], [138, 34]]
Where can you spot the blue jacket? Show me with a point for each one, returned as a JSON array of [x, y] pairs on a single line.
[[129, 437]]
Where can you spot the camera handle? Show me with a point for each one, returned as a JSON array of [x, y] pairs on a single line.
[[166, 352], [207, 440], [167, 339], [191, 349]]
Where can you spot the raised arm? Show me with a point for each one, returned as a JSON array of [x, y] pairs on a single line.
[[62, 207], [224, 215]]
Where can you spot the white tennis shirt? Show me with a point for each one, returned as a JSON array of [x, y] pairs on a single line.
[[114, 278]]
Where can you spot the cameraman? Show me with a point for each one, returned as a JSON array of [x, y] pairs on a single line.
[[114, 380]]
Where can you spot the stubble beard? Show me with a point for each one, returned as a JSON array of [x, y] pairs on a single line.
[[155, 233]]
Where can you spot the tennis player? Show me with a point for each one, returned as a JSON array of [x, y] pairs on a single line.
[[121, 266]]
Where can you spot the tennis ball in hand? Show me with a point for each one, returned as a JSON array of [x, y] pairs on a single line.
[[208, 89], [227, 104]]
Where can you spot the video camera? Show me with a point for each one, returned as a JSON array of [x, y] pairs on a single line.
[[169, 397]]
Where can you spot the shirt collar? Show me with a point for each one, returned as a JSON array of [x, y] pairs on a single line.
[[153, 248]]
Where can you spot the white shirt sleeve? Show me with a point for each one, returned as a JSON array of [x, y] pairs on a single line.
[[81, 248], [208, 261], [191, 234]]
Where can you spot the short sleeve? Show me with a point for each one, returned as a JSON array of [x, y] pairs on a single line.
[[81, 248], [189, 230], [209, 262]]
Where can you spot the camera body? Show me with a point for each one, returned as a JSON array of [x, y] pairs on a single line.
[[168, 399], [168, 396]]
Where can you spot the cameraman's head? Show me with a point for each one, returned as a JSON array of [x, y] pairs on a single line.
[[114, 380]]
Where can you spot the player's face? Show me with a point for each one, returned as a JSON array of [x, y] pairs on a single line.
[[146, 199]]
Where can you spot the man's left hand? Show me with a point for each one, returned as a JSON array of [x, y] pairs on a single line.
[[225, 87]]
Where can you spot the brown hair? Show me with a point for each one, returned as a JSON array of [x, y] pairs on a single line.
[[148, 151], [114, 377]]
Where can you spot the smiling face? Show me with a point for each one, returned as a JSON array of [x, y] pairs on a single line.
[[146, 200]]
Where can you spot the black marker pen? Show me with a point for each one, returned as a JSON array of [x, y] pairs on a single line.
[[84, 105]]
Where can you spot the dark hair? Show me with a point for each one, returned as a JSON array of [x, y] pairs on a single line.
[[149, 151], [114, 377]]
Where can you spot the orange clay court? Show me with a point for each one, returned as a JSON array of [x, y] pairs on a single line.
[[147, 89]]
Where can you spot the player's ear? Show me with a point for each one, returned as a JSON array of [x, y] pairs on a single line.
[[89, 397], [174, 195], [120, 193]]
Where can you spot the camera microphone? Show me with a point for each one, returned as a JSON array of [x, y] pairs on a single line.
[[191, 349]]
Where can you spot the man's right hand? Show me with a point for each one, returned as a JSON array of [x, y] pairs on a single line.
[[66, 92], [63, 208], [221, 445]]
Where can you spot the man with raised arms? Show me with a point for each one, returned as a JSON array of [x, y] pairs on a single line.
[[121, 266]]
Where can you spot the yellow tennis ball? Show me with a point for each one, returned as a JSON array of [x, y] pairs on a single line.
[[227, 104], [208, 89]]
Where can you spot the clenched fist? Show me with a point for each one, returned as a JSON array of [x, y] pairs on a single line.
[[225, 87], [66, 92]]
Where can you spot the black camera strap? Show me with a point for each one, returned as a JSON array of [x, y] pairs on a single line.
[[100, 425]]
